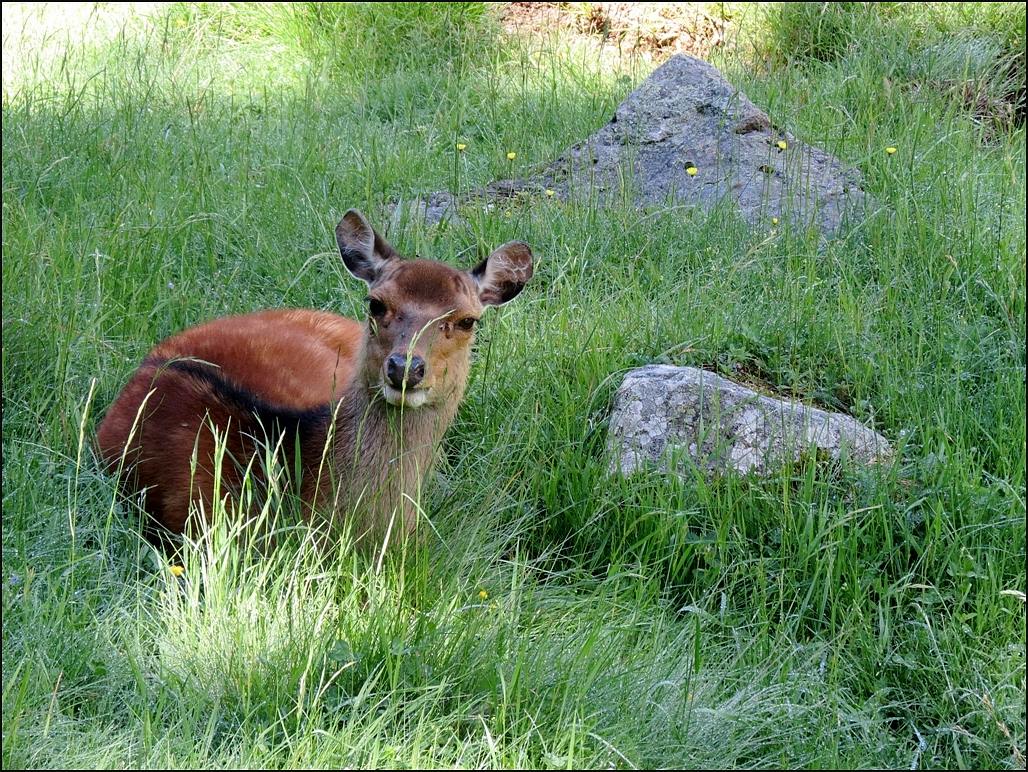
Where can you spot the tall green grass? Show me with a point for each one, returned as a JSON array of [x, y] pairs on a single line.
[[163, 169]]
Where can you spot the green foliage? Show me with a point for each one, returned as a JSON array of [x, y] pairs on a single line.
[[356, 41], [971, 55], [161, 170], [821, 31]]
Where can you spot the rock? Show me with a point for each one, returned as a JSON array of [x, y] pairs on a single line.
[[687, 116], [664, 414]]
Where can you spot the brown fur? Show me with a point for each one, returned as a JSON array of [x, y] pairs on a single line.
[[383, 393]]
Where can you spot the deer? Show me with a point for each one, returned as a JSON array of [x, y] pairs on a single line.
[[358, 410]]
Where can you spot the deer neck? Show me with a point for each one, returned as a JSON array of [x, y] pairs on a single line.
[[382, 454]]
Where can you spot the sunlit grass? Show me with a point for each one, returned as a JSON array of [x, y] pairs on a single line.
[[165, 165]]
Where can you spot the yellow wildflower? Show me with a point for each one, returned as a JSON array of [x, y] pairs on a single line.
[[890, 150], [462, 146], [176, 570], [483, 595], [691, 170], [549, 192], [782, 144], [774, 221], [511, 156]]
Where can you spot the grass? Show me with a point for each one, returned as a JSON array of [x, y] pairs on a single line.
[[165, 167]]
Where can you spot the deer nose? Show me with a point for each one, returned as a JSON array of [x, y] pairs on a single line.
[[402, 373]]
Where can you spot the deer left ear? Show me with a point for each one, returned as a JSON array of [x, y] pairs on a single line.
[[365, 251], [501, 276]]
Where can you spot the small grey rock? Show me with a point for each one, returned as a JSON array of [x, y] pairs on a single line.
[[664, 413]]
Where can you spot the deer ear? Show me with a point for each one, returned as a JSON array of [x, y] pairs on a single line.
[[502, 275], [365, 251]]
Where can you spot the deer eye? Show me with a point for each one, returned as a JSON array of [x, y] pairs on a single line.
[[467, 324], [376, 307]]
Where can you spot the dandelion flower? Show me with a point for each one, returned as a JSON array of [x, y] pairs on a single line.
[[511, 156], [176, 570], [549, 192], [483, 595], [782, 144], [462, 146], [890, 150]]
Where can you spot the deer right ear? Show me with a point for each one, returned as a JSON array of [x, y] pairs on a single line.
[[365, 251], [502, 275]]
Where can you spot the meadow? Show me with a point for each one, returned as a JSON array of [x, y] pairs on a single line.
[[170, 163]]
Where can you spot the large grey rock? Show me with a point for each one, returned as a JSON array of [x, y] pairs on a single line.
[[664, 413], [686, 115]]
